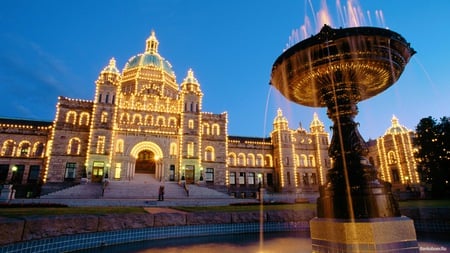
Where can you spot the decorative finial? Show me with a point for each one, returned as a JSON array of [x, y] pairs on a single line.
[[112, 62], [190, 73], [394, 120], [315, 116], [279, 112], [152, 44], [190, 78]]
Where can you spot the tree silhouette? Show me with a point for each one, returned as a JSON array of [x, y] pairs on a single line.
[[433, 154]]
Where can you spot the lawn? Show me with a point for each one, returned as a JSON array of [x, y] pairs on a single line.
[[17, 212]]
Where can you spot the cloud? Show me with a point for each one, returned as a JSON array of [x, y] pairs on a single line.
[[29, 76]]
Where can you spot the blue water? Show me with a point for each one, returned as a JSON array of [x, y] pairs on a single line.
[[286, 242]]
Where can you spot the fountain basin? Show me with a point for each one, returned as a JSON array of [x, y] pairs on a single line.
[[358, 61]]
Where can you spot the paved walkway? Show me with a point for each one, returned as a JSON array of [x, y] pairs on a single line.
[[143, 191], [135, 202]]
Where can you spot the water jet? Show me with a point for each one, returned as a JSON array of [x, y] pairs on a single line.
[[336, 69]]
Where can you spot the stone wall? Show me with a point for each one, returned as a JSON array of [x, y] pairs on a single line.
[[13, 230]]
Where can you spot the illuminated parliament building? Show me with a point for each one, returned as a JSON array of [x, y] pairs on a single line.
[[141, 121]]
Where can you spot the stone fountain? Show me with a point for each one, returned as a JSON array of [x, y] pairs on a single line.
[[337, 68]]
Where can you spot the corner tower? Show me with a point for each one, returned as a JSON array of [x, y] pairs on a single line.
[[320, 147], [191, 122], [98, 158], [284, 153]]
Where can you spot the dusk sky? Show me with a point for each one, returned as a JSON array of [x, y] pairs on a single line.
[[52, 48]]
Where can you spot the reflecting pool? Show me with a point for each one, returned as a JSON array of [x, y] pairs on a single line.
[[274, 242]]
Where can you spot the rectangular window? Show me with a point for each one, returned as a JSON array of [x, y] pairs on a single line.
[[172, 172], [97, 170], [70, 172], [269, 179], [101, 145], [251, 178], [305, 179], [313, 178], [233, 178], [33, 176], [241, 178], [4, 168], [395, 176], [118, 170], [209, 175], [190, 149]]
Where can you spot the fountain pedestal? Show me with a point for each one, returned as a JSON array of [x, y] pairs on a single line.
[[394, 234], [336, 69]]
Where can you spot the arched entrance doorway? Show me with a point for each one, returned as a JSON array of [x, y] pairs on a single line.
[[145, 162], [148, 159]]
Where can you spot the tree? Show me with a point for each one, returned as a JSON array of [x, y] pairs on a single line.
[[433, 154]]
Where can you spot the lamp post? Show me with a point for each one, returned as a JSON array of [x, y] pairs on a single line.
[[260, 188], [13, 176], [107, 170]]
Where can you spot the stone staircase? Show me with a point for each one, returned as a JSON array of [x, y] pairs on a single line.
[[147, 187], [143, 186], [80, 191]]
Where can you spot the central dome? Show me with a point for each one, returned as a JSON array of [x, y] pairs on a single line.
[[150, 57], [148, 73]]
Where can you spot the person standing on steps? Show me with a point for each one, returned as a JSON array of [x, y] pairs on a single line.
[[105, 183], [186, 188], [161, 193]]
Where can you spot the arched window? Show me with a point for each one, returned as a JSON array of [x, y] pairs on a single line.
[[391, 157], [84, 119], [232, 159], [206, 128], [191, 124], [250, 160], [71, 117], [303, 160], [215, 129], [172, 122], [209, 154], [74, 146], [24, 149], [119, 146], [38, 149], [8, 148], [148, 120], [125, 118], [241, 159], [137, 118], [268, 161], [173, 148], [160, 121], [104, 118], [107, 98], [259, 160], [312, 161], [296, 160], [100, 144]]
